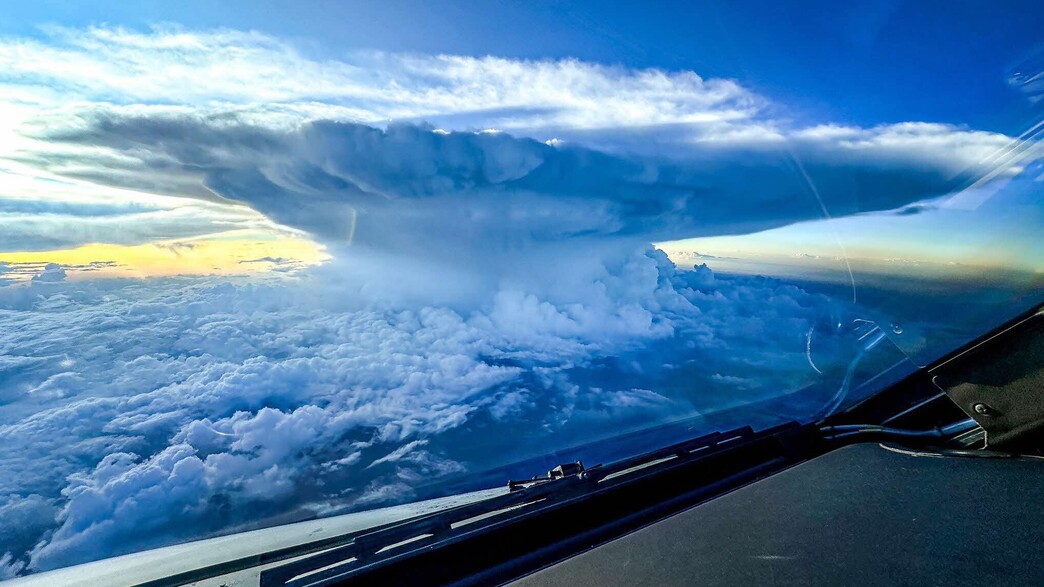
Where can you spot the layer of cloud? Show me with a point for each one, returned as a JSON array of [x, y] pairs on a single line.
[[44, 211], [137, 414], [345, 181], [172, 66]]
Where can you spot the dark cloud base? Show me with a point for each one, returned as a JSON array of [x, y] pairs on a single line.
[[345, 181]]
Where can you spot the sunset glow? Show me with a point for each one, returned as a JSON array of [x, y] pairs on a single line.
[[236, 253]]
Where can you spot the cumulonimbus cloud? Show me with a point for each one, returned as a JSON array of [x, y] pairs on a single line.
[[174, 66], [345, 181], [338, 147]]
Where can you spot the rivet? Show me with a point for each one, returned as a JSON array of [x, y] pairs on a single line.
[[981, 408]]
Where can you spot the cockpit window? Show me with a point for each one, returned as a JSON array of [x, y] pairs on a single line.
[[265, 265]]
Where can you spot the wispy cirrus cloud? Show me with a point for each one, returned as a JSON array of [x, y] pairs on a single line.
[[177, 67]]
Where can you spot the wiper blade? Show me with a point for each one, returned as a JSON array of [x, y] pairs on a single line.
[[856, 431]]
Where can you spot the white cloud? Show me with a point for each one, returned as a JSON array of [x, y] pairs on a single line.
[[960, 150], [173, 66], [352, 182], [9, 566], [159, 412], [261, 80], [52, 273]]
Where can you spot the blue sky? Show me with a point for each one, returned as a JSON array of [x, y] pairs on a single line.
[[862, 63]]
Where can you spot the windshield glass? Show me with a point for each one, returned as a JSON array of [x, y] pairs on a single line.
[[261, 264]]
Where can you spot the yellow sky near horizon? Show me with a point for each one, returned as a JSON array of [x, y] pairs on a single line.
[[237, 253]]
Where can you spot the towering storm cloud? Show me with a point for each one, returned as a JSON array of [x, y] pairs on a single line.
[[352, 149], [353, 182]]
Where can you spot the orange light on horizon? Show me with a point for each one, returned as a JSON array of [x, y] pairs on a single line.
[[226, 254]]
